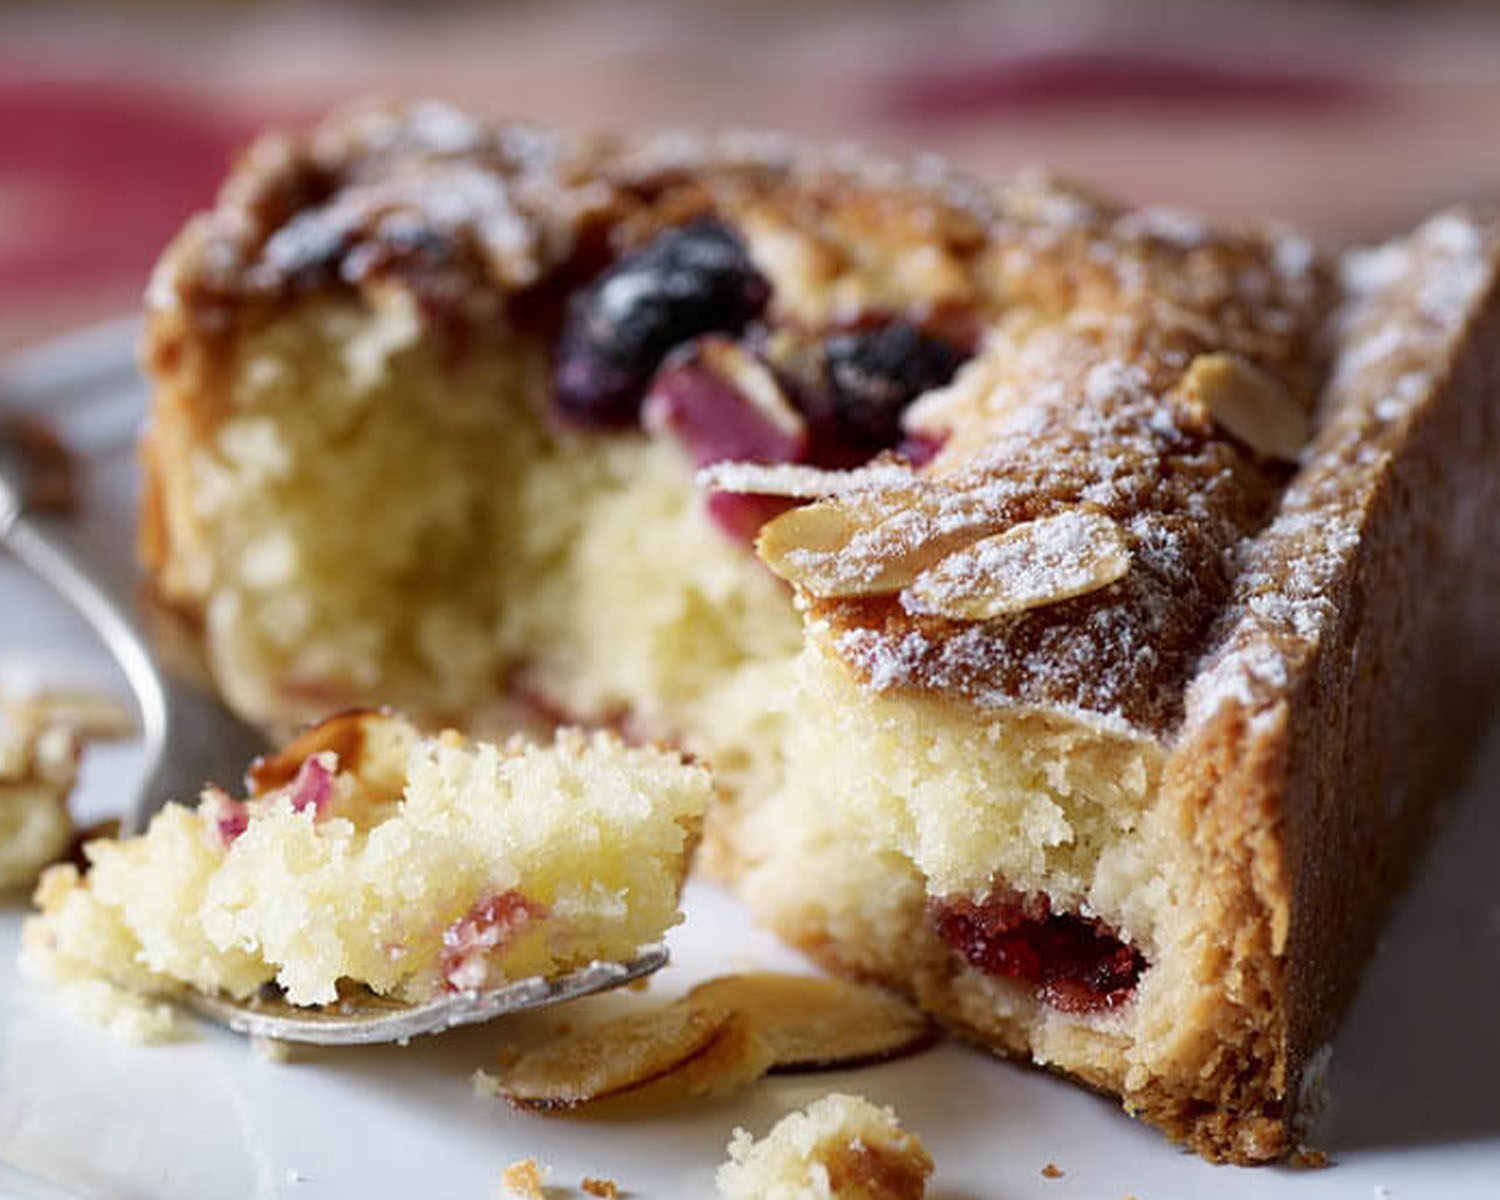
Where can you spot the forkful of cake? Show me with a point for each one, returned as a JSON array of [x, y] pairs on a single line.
[[373, 882]]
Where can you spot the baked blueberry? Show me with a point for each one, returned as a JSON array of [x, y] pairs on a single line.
[[873, 374], [687, 281]]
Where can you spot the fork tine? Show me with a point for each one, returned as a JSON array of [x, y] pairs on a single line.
[[364, 1023]]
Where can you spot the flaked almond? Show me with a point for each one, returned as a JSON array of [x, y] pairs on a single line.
[[1249, 405], [736, 1058], [1027, 566], [369, 743], [810, 1023], [754, 381], [615, 1057], [797, 481], [874, 545]]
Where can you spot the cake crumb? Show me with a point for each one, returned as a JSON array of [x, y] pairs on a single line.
[[485, 1084], [524, 1179], [1052, 1171], [605, 1189], [1309, 1159], [840, 1147]]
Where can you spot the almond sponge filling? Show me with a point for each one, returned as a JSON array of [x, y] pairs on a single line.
[[383, 523]]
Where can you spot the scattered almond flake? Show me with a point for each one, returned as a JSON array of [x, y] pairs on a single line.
[[1030, 565], [615, 1057], [801, 482], [605, 1189], [525, 1178], [1250, 405], [1052, 1171], [811, 1022], [736, 1058]]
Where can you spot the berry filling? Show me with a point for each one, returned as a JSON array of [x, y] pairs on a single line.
[[685, 282], [1077, 964], [868, 378], [492, 924], [231, 817], [725, 405], [312, 787], [672, 337]]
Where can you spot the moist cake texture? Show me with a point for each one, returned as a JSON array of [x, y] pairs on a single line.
[[368, 853], [1065, 596]]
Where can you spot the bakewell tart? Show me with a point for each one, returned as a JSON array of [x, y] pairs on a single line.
[[369, 853], [1080, 608]]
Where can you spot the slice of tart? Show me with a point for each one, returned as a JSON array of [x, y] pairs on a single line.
[[368, 853], [1082, 608]]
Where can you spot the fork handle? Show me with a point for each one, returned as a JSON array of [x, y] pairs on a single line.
[[112, 617]]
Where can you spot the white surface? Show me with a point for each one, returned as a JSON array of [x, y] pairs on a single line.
[[1415, 1078]]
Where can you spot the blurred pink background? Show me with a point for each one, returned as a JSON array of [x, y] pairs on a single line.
[[117, 121]]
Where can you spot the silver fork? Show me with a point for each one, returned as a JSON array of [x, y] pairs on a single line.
[[190, 738]]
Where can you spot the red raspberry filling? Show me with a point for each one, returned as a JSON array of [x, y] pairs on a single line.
[[490, 925], [1077, 964]]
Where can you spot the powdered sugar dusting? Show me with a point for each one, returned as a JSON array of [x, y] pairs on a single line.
[[1406, 304], [1029, 565], [798, 481]]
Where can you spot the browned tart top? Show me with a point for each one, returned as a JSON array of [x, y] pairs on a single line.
[[1121, 396]]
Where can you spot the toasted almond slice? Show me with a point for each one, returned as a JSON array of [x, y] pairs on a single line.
[[612, 1058], [810, 1023], [753, 379], [1249, 405], [798, 481], [873, 545], [368, 742], [736, 1058], [1030, 565]]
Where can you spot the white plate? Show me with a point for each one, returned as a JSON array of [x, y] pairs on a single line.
[[1415, 1078]]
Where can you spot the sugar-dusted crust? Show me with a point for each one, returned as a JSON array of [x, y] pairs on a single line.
[[1348, 679], [1221, 736], [1101, 307]]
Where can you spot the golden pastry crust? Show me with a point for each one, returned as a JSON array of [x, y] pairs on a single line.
[[1264, 480]]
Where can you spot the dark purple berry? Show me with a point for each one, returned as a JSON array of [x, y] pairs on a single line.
[[873, 374], [687, 281]]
